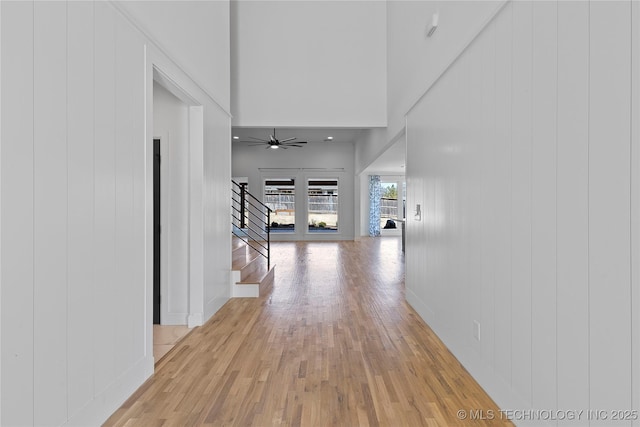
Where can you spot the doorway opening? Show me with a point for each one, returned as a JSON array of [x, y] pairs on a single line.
[[157, 231], [175, 222], [164, 337]]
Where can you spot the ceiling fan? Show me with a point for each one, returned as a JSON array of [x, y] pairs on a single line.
[[276, 143]]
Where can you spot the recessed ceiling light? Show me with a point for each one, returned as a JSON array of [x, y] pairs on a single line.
[[236, 137], [330, 138]]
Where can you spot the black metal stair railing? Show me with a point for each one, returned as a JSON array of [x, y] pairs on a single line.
[[251, 220]]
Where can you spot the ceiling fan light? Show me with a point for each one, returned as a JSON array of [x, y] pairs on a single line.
[[275, 147]]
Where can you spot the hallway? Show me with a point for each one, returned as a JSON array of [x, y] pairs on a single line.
[[334, 343]]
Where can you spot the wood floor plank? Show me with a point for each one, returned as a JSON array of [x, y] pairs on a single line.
[[333, 343]]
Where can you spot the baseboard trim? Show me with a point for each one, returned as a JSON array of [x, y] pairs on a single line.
[[420, 307], [174, 319], [104, 404], [195, 319], [213, 305], [501, 392]]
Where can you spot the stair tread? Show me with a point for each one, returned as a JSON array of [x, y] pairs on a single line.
[[236, 242], [239, 261]]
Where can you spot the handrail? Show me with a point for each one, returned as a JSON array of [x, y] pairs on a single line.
[[251, 220], [262, 205], [250, 195]]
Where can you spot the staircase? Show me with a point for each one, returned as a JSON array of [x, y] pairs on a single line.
[[251, 270], [250, 276]]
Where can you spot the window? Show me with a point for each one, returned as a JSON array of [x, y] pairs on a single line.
[[388, 203], [279, 196], [323, 205]]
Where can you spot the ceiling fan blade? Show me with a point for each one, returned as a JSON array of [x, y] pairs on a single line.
[[293, 145], [296, 142], [287, 140], [258, 139]]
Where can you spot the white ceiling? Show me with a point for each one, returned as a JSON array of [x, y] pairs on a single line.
[[311, 135], [391, 162]]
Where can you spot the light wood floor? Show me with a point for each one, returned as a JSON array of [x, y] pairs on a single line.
[[334, 343], [165, 337]]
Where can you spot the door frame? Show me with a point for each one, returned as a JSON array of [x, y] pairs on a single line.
[[195, 315], [157, 68]]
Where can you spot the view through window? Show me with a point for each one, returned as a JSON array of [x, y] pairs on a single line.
[[323, 205], [388, 205], [279, 196]]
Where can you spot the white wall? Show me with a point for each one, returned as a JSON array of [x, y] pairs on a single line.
[[76, 208], [215, 216], [171, 125], [362, 205], [309, 63], [194, 33], [311, 161], [371, 143], [414, 60], [520, 156]]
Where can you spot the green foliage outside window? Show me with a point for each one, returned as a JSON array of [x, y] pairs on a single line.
[[390, 192]]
